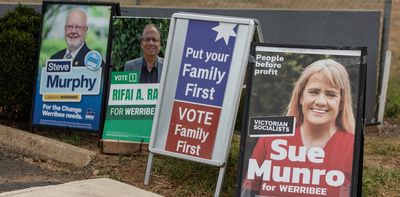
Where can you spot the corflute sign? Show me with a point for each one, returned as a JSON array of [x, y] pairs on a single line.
[[206, 60], [303, 122], [201, 87], [71, 69], [205, 57], [131, 108]]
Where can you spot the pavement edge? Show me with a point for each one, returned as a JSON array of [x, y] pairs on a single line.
[[37, 146]]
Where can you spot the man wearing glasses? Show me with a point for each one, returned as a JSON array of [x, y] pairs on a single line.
[[74, 32], [150, 64]]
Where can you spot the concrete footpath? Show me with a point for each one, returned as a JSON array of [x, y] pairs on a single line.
[[102, 187]]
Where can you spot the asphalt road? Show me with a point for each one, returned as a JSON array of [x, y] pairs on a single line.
[[15, 173]]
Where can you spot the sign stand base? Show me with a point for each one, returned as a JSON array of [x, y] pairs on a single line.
[[122, 147]]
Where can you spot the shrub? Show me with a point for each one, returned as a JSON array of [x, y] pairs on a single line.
[[19, 33]]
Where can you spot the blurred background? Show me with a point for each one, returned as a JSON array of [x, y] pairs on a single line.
[[19, 35]]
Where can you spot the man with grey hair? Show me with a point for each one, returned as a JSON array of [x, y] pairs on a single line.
[[74, 33], [150, 64]]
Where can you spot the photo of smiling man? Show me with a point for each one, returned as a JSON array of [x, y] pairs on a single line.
[[150, 64], [137, 51], [75, 33], [71, 69]]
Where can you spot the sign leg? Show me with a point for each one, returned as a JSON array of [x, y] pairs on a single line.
[[148, 169], [220, 181]]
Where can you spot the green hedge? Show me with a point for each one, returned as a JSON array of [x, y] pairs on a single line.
[[19, 33]]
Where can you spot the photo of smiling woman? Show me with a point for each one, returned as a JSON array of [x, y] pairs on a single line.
[[317, 159], [321, 103]]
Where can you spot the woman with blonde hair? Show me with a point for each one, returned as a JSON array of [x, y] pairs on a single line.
[[322, 107], [338, 76]]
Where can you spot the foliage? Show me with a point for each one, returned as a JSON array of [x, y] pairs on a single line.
[[126, 38], [19, 32], [393, 100]]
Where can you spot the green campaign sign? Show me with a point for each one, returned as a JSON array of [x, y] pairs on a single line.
[[130, 109]]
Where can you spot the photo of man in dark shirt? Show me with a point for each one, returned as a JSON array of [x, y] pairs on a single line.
[[150, 64]]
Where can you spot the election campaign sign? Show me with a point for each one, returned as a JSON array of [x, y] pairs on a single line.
[[206, 60], [130, 109], [201, 88], [72, 65], [133, 92], [195, 100], [304, 120]]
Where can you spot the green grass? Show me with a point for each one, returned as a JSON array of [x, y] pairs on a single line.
[[382, 177], [71, 139], [381, 181], [392, 106], [196, 179], [381, 146], [75, 138]]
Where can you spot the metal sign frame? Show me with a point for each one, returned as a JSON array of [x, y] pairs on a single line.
[[168, 87]]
